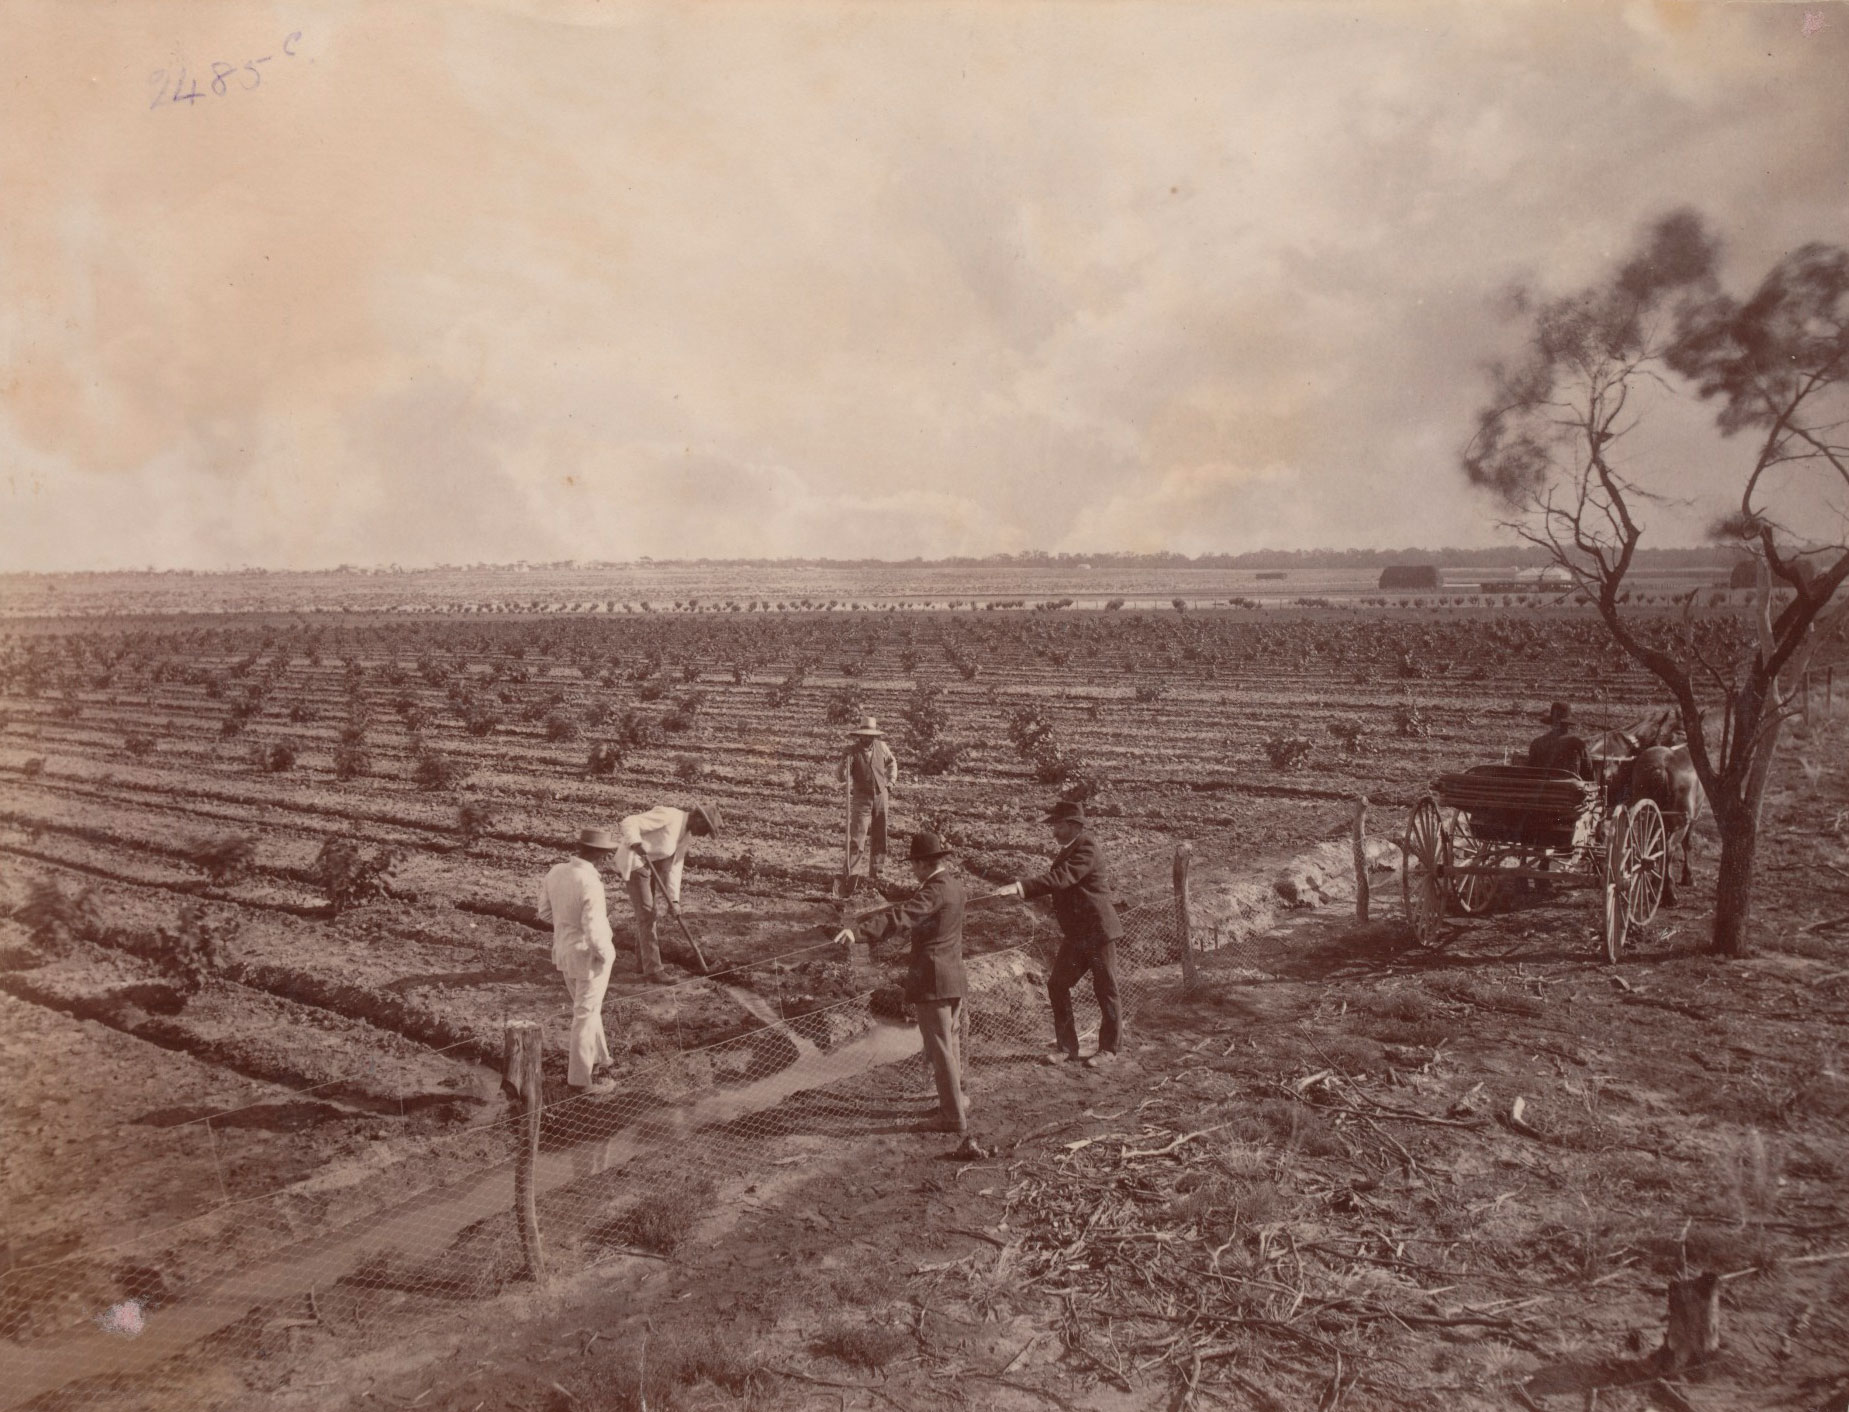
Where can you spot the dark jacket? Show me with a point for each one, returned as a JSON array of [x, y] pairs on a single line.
[[1559, 749], [932, 919], [1080, 893]]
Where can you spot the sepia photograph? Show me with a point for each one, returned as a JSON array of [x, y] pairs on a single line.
[[899, 705]]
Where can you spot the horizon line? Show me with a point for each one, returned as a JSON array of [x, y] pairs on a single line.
[[1218, 559]]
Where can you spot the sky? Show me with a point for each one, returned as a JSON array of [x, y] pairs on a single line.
[[466, 282]]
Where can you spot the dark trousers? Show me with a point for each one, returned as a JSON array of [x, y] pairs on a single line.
[[866, 835], [937, 1027], [1075, 958], [646, 898]]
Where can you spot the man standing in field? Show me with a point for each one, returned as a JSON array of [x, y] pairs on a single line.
[[653, 854], [571, 897], [870, 771], [1559, 748], [1080, 892], [935, 984]]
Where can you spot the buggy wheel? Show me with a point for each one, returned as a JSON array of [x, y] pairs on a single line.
[[1474, 893], [1617, 918], [1425, 852], [1644, 864]]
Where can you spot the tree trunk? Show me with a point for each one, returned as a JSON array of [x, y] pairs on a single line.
[[1761, 770], [1733, 889], [1737, 814]]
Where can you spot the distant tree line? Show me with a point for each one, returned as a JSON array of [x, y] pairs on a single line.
[[1518, 556]]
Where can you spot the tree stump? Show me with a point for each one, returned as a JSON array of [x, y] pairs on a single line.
[[520, 1076], [1694, 1332]]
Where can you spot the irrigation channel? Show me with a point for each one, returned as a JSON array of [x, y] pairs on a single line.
[[422, 1226]]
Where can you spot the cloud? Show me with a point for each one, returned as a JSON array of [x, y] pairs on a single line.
[[1212, 505], [499, 281]]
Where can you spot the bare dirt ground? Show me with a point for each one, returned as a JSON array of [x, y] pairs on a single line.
[[1308, 1187], [126, 754]]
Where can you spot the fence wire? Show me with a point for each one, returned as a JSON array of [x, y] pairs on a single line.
[[132, 1325]]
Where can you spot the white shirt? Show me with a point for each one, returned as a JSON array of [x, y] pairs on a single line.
[[661, 836], [571, 897]]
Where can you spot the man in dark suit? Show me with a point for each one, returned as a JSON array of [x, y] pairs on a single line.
[[932, 919], [1080, 891], [1560, 748]]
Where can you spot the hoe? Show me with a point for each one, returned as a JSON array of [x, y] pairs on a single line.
[[661, 885]]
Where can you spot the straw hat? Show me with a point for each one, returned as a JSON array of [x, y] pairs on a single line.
[[869, 728]]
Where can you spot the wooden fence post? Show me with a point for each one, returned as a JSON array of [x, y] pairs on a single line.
[[520, 1076], [1360, 845], [1184, 920]]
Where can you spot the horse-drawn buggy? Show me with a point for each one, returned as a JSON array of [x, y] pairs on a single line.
[[1481, 832]]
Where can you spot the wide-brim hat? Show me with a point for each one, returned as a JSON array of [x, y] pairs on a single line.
[[868, 727], [708, 812], [1068, 809], [601, 839], [925, 847], [1559, 714]]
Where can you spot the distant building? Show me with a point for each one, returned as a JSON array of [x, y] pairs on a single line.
[[1550, 578], [1546, 576], [1411, 576], [1746, 573]]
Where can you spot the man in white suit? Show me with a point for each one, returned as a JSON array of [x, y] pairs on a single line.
[[572, 898]]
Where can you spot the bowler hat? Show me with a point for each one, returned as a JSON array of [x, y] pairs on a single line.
[[599, 839], [868, 727], [926, 846], [1559, 714], [1069, 809], [708, 812]]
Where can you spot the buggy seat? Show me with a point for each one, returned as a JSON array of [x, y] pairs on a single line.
[[1518, 804]]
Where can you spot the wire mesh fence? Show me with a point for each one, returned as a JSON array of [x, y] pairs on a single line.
[[440, 1223]]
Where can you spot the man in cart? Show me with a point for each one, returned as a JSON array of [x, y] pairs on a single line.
[[869, 771], [652, 852], [1561, 748]]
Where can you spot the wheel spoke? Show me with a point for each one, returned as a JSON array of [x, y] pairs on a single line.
[[1474, 893], [1645, 862], [1422, 876]]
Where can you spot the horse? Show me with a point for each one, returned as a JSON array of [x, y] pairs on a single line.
[[1610, 749], [1659, 769]]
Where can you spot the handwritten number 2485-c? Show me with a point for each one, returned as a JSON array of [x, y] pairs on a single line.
[[185, 88]]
